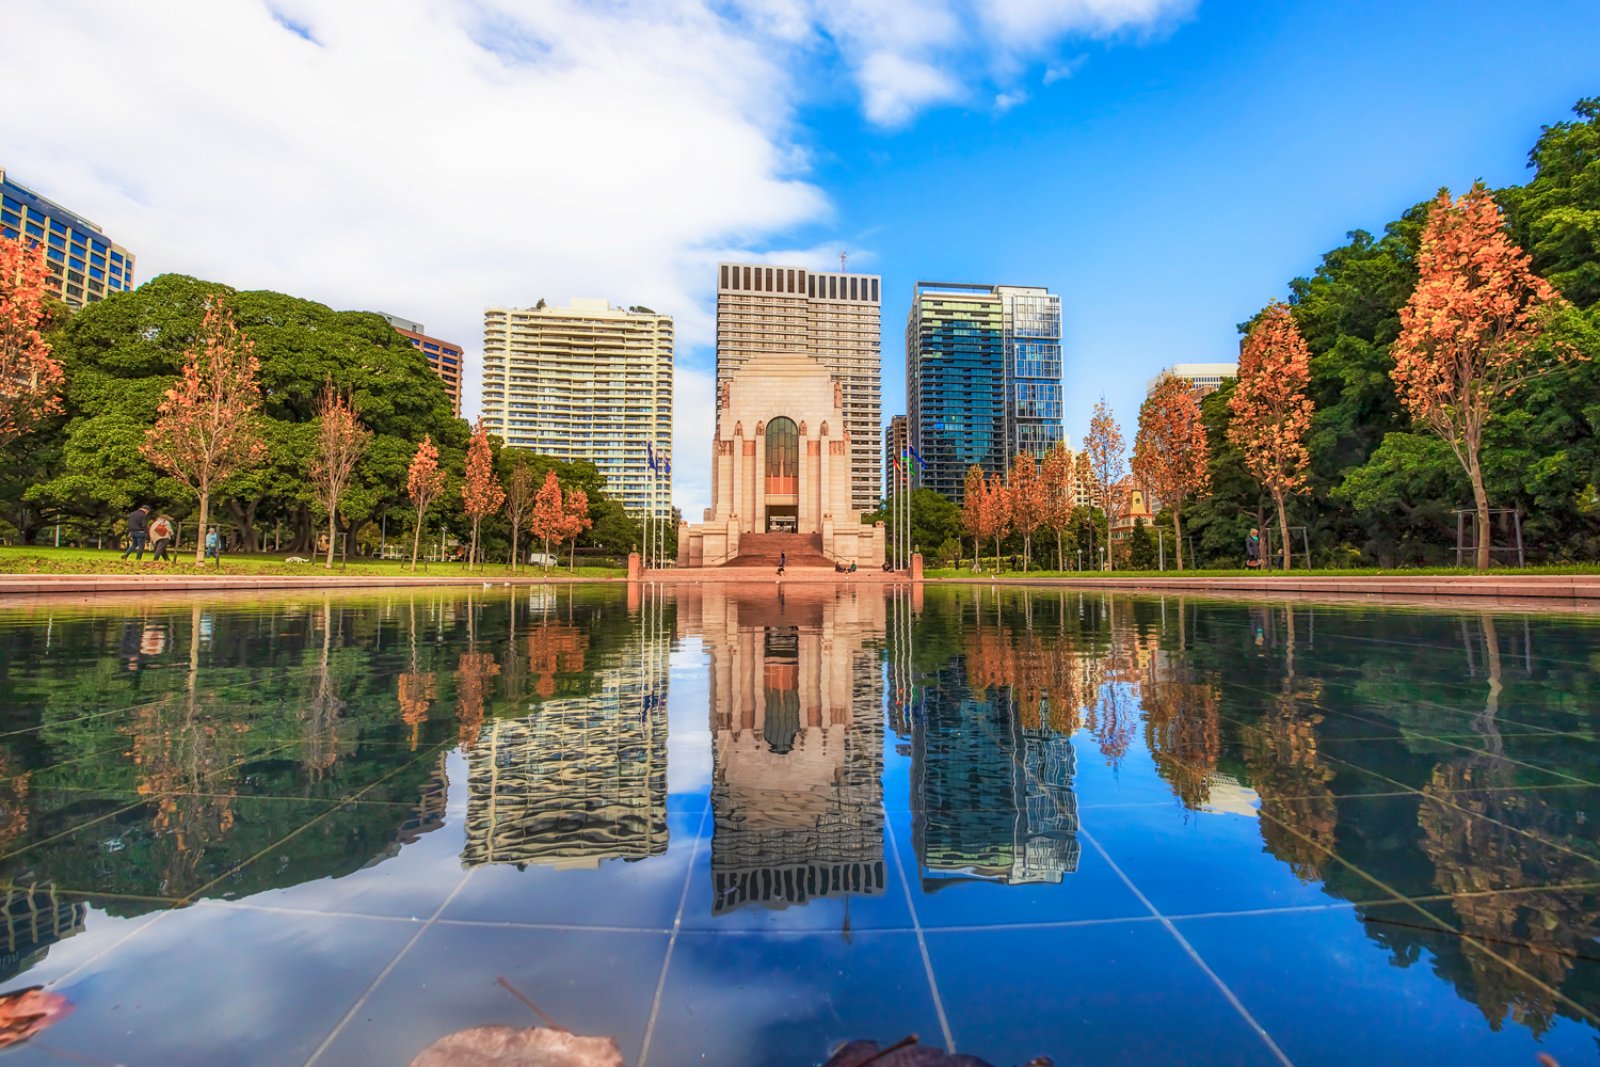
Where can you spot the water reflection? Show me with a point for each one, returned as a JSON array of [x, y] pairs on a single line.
[[1014, 757], [797, 729], [581, 776]]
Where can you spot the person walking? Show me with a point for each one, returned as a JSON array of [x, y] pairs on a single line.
[[161, 532], [1252, 549], [783, 561], [214, 545], [138, 532]]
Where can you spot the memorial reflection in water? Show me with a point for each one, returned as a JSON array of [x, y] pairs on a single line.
[[1389, 815]]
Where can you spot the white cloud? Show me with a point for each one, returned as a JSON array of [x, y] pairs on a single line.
[[423, 158], [431, 157], [1004, 102]]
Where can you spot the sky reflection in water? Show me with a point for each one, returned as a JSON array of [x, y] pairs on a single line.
[[740, 825]]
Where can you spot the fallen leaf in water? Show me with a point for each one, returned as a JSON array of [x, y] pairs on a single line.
[[25, 1012], [507, 1046], [907, 1053]]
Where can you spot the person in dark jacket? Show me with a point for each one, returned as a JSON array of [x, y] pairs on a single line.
[[138, 531], [1252, 549]]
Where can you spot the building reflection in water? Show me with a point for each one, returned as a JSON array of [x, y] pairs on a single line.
[[797, 734], [581, 778], [991, 767], [32, 918]]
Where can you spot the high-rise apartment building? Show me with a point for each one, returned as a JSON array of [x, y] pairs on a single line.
[[833, 317], [894, 444], [87, 265], [1205, 377], [588, 381], [444, 357], [983, 378]]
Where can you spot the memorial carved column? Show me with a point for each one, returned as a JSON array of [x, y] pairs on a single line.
[[759, 511]]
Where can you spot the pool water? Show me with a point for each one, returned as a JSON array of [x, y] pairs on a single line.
[[739, 825]]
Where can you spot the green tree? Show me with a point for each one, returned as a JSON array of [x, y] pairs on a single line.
[[1141, 547]]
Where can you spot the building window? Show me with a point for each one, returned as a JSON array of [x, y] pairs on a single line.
[[783, 456]]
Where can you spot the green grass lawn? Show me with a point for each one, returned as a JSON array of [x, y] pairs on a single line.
[[1321, 572], [37, 559]]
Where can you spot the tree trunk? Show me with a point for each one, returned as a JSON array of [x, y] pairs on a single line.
[[516, 529], [997, 553], [416, 539], [205, 515], [333, 532], [472, 553], [244, 524], [546, 562], [572, 556], [305, 542], [1480, 500], [1283, 528], [1177, 536], [1027, 550], [1060, 564]]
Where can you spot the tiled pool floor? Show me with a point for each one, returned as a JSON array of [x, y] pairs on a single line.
[[726, 830]]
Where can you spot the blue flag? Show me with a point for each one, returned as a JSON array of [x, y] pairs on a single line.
[[650, 452], [666, 466], [920, 461]]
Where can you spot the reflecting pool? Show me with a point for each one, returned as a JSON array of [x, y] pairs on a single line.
[[738, 826]]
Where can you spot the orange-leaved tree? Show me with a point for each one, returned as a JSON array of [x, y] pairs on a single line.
[[424, 483], [996, 512], [1171, 458], [1108, 466], [1271, 412], [972, 491], [29, 378], [207, 428], [1057, 476], [519, 502], [1028, 501], [341, 441], [576, 511], [481, 494], [1467, 333], [549, 518]]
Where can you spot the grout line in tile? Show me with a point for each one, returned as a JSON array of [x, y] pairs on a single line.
[[63, 979], [1193, 953], [331, 807], [672, 941], [1399, 898], [922, 941], [355, 1009]]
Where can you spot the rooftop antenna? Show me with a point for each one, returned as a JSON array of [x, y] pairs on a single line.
[[842, 257]]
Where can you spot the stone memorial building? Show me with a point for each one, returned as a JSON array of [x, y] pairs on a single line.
[[781, 472]]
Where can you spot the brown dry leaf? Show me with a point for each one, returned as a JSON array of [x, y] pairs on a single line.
[[25, 1012], [507, 1046]]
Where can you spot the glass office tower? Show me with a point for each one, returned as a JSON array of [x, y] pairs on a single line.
[[85, 264], [983, 378]]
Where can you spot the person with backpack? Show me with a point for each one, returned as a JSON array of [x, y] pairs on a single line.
[[161, 530]]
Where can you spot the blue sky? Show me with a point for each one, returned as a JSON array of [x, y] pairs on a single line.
[[1168, 189], [1165, 165]]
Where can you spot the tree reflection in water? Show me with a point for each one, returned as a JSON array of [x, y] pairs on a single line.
[[153, 754]]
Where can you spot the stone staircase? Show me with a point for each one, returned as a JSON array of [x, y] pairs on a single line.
[[761, 550]]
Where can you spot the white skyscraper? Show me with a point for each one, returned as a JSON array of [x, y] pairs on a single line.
[[585, 382]]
